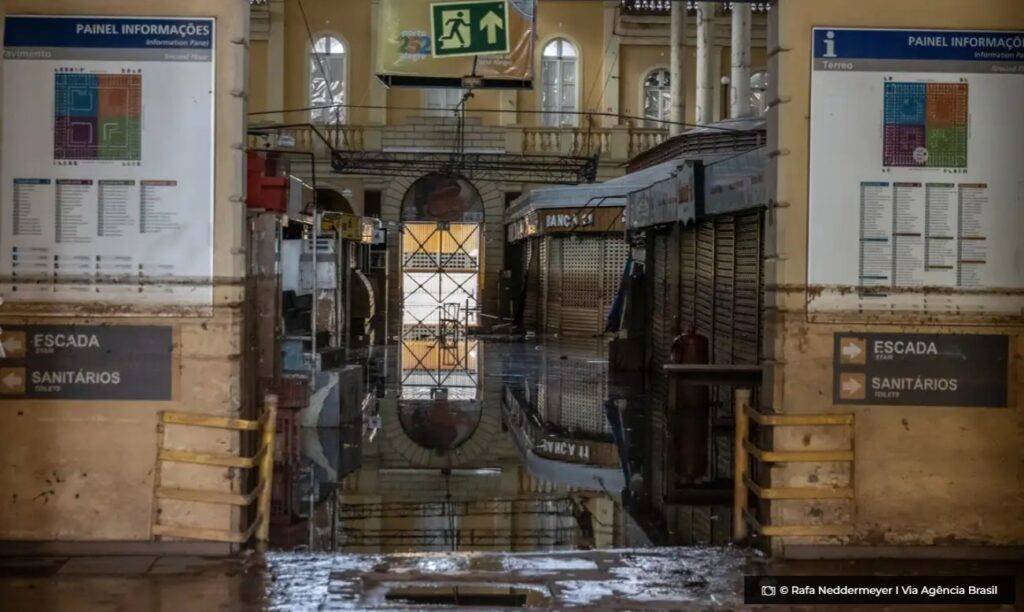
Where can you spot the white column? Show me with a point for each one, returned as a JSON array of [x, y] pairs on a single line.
[[739, 79], [610, 65], [705, 62], [275, 62], [677, 46]]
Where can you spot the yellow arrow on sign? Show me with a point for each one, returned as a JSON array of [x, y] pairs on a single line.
[[492, 22]]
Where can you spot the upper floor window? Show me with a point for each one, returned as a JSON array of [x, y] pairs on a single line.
[[657, 97], [559, 96], [327, 64], [441, 101]]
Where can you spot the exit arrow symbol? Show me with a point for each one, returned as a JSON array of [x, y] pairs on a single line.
[[11, 381], [492, 22], [851, 386], [851, 350], [12, 344]]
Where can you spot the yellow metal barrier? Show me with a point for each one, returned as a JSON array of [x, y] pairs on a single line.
[[263, 460], [743, 484]]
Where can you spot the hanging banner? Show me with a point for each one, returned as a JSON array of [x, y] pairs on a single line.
[[424, 43], [107, 191], [916, 182]]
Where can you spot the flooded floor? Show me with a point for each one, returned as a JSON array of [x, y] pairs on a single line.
[[484, 474], [675, 578], [482, 446]]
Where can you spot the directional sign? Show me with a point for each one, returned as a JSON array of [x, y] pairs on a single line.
[[469, 28], [86, 362], [921, 369]]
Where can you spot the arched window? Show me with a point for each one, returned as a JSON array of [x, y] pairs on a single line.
[[657, 97], [327, 80], [559, 77]]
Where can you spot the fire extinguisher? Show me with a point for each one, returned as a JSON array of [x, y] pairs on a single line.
[[690, 416]]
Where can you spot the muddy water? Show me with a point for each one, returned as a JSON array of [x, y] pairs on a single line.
[[482, 446]]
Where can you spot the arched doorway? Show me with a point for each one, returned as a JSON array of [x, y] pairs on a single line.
[[442, 217]]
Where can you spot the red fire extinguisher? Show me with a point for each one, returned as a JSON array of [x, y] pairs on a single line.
[[690, 416]]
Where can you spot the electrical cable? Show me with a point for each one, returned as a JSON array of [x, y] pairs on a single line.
[[492, 110]]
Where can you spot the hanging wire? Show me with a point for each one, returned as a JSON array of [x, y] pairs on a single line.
[[665, 122]]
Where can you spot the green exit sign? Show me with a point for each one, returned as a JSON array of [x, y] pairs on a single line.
[[469, 28]]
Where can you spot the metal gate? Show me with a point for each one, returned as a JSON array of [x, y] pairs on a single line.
[[440, 292], [583, 274], [707, 276]]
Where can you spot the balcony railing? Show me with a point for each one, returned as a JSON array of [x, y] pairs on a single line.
[[614, 144], [661, 8]]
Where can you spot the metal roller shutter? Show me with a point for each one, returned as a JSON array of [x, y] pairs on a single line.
[[582, 272], [531, 266], [724, 287], [659, 337], [616, 252], [553, 286], [748, 287], [704, 280], [687, 277]]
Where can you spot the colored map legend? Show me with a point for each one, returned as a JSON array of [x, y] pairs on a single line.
[[925, 125], [97, 116]]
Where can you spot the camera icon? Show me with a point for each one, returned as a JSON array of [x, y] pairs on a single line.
[[767, 590]]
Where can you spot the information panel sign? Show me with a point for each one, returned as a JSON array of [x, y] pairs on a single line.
[[107, 172], [86, 362], [921, 369], [916, 185], [430, 43]]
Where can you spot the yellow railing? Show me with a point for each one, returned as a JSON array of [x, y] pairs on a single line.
[[263, 461], [744, 485]]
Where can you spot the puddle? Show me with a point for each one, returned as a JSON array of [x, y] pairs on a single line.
[[477, 446]]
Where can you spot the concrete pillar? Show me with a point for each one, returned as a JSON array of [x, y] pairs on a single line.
[[378, 92], [610, 70], [677, 46], [739, 79], [718, 80], [705, 62], [275, 61]]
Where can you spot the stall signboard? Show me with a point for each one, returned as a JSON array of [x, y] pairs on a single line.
[[669, 201], [736, 183], [429, 43], [601, 219]]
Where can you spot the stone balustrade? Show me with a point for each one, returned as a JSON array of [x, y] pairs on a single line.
[[612, 144]]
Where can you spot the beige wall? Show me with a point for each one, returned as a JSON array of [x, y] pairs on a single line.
[[84, 470], [922, 476], [352, 20], [258, 76]]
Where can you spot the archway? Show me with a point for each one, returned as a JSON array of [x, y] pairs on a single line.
[[442, 216]]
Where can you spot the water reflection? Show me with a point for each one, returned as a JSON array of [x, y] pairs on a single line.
[[500, 446]]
